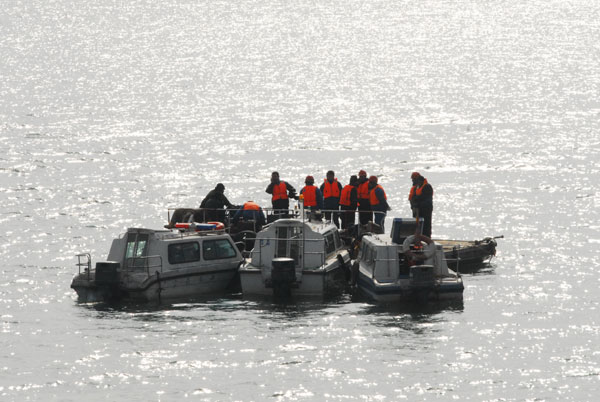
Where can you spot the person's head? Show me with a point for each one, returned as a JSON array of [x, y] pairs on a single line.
[[373, 181], [353, 180], [330, 175], [415, 177], [309, 181], [220, 187], [362, 173], [275, 176]]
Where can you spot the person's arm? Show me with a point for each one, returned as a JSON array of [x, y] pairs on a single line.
[[226, 201], [236, 217], [261, 217], [381, 197], [291, 190], [354, 197], [427, 191], [269, 189], [319, 196]]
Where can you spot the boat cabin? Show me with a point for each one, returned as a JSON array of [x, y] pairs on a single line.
[[309, 244], [384, 260]]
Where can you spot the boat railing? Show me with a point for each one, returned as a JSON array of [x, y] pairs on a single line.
[[87, 263], [265, 242], [141, 264]]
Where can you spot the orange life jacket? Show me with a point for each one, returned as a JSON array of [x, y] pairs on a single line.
[[280, 191], [373, 198], [363, 190], [346, 195], [414, 190], [331, 189], [251, 206], [310, 196]]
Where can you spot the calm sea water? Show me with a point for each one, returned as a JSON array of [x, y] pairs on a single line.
[[113, 111]]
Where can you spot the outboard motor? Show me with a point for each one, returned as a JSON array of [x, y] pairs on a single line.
[[107, 278], [283, 276], [422, 281]]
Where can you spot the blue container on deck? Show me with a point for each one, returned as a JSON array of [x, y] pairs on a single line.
[[404, 227]]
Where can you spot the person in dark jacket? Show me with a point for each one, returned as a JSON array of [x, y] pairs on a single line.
[[364, 204], [281, 192], [214, 204], [378, 200], [331, 190], [421, 201], [313, 198], [251, 211], [348, 203]]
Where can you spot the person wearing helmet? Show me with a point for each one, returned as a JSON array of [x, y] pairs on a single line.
[[313, 197], [421, 201]]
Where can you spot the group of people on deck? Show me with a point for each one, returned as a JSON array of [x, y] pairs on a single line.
[[339, 203]]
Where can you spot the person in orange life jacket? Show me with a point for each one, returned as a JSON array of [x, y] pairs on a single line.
[[250, 211], [313, 198], [331, 190], [348, 202], [364, 204], [281, 192], [214, 202], [421, 201], [378, 201]]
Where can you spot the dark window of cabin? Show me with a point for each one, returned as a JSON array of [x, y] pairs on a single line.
[[329, 243], [217, 249], [180, 253]]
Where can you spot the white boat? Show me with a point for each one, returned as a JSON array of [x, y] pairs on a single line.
[[293, 257], [147, 264], [383, 272]]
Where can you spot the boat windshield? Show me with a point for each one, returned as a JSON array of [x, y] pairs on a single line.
[[136, 250]]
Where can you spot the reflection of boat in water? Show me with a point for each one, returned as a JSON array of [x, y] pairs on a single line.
[[298, 258], [147, 264], [384, 271]]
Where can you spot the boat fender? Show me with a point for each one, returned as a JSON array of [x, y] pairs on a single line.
[[428, 252], [218, 225]]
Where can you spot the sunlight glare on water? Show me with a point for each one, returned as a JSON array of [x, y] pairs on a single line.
[[113, 111]]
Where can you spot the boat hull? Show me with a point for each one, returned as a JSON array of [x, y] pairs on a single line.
[[450, 288], [314, 283], [166, 286]]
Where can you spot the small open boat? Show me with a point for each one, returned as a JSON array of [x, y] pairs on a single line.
[[145, 264], [468, 255]]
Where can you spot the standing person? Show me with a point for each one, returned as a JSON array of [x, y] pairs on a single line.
[[313, 198], [331, 190], [281, 192], [214, 202], [364, 204], [378, 200], [348, 202], [421, 201]]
